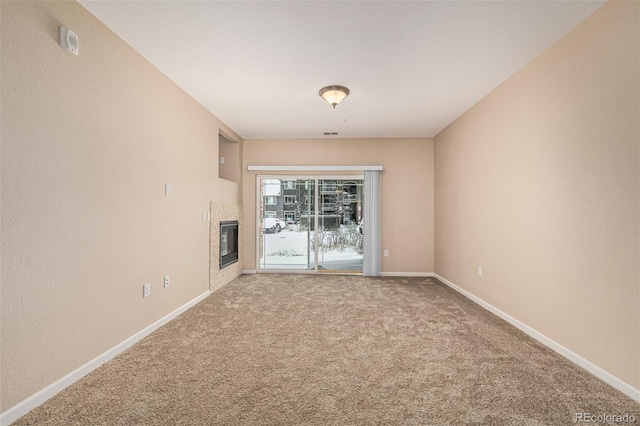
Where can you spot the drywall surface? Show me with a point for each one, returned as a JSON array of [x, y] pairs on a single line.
[[230, 167], [406, 185], [88, 144], [539, 184]]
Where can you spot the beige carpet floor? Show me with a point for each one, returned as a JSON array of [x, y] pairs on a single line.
[[275, 349]]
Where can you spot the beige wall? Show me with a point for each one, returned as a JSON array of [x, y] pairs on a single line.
[[407, 189], [539, 184], [230, 151], [88, 143]]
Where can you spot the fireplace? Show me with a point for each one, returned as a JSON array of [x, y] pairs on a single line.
[[228, 243]]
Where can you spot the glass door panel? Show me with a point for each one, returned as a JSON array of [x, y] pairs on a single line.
[[340, 241], [286, 223]]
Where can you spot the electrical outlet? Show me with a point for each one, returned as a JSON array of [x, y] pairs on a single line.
[[167, 189], [146, 290], [386, 253], [166, 281], [479, 271]]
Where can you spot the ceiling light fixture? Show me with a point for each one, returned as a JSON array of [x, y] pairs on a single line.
[[334, 94]]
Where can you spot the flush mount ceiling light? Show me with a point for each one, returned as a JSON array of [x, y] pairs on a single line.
[[334, 94]]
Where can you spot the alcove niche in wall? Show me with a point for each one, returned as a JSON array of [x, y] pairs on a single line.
[[229, 159]]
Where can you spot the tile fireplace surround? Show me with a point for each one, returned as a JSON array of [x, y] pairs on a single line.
[[219, 213]]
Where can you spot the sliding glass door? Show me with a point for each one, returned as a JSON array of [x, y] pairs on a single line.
[[310, 223], [339, 228], [286, 223]]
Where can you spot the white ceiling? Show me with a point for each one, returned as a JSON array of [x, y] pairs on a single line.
[[412, 66]]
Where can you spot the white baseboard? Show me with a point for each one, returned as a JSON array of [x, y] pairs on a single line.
[[38, 398], [407, 274], [382, 274], [603, 375]]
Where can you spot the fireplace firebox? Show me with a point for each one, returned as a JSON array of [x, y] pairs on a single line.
[[228, 243]]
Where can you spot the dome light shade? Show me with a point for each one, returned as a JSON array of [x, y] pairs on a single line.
[[334, 94]]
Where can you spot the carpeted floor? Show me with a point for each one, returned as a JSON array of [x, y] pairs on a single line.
[[275, 349]]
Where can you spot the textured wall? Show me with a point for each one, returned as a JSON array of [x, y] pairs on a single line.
[[539, 184], [230, 151], [407, 189], [88, 143]]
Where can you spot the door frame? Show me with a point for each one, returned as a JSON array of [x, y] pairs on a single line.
[[315, 177]]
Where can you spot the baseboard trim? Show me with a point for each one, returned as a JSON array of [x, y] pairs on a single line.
[[382, 274], [407, 274], [38, 398], [603, 375]]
